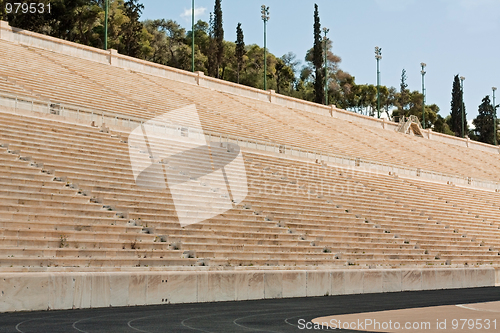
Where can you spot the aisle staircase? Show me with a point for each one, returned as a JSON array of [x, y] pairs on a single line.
[[410, 125]]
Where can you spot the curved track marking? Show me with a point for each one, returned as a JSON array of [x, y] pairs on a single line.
[[474, 309], [17, 326], [25, 321], [129, 323], [194, 328], [286, 321], [303, 314], [139, 330], [76, 328], [248, 328], [255, 329], [88, 318]]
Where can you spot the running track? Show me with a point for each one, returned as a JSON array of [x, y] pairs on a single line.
[[277, 315]]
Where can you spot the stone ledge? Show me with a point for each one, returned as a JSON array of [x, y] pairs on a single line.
[[61, 290]]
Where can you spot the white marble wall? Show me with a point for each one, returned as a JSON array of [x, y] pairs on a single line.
[[42, 291]]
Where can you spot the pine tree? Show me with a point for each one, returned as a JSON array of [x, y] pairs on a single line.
[[455, 122], [218, 35], [484, 122], [319, 95], [240, 50]]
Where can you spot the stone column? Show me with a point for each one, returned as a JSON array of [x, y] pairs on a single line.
[[4, 28], [112, 56], [271, 94], [200, 77], [333, 112]]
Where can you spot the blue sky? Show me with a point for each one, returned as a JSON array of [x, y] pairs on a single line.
[[450, 36]]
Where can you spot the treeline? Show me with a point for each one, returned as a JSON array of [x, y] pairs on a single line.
[[166, 42]]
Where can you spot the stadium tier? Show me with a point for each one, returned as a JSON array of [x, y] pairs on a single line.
[[64, 79], [71, 201]]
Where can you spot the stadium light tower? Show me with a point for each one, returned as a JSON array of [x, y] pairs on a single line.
[[265, 17], [192, 36], [494, 116], [463, 113], [106, 10], [326, 30], [423, 93], [378, 56]]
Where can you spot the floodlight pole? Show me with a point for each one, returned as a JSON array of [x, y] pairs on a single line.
[[106, 10], [192, 36], [423, 93], [494, 116], [326, 30], [463, 113], [378, 56], [265, 17]]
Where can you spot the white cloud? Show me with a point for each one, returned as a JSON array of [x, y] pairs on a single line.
[[471, 125], [394, 5], [198, 11]]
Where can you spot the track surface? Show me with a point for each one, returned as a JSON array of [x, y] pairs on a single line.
[[277, 315]]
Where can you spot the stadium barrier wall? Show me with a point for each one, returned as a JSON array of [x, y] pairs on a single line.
[[113, 58], [70, 290]]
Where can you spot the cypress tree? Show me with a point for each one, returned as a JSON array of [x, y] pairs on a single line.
[[318, 59], [403, 93], [211, 50], [456, 108], [484, 122], [218, 35], [240, 50]]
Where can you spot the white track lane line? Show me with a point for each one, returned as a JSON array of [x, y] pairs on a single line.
[[463, 306], [254, 315], [137, 329], [25, 321], [88, 318], [194, 328]]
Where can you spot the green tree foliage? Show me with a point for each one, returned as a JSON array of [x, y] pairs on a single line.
[[455, 121], [340, 83], [317, 59], [82, 21], [218, 34], [484, 131], [76, 20], [284, 76], [133, 41], [388, 100], [414, 100], [290, 60], [159, 41], [239, 50], [3, 11], [403, 97], [211, 50], [363, 98], [167, 42], [441, 125]]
